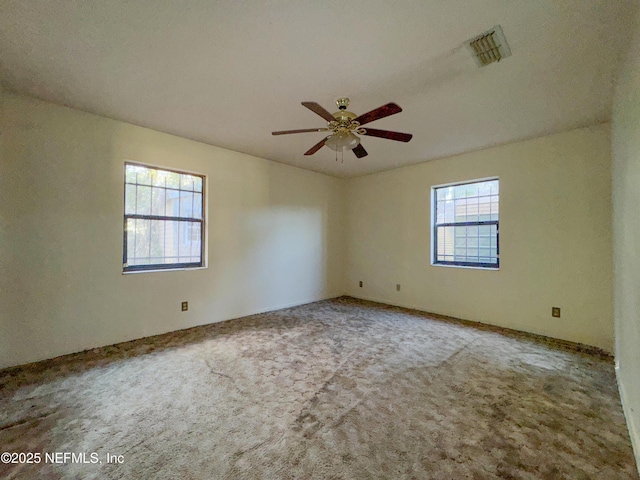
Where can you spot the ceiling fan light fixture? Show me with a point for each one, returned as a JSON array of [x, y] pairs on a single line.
[[344, 124], [342, 141]]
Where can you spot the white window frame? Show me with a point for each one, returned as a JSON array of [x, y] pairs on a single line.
[[126, 269], [433, 254]]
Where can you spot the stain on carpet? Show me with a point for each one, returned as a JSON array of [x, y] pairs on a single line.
[[338, 389]]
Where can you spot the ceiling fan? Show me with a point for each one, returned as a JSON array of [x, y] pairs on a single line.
[[343, 126]]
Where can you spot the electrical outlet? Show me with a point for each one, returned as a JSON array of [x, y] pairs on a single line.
[[360, 283], [397, 287], [555, 312], [185, 306]]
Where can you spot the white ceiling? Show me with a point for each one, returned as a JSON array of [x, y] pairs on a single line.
[[230, 72]]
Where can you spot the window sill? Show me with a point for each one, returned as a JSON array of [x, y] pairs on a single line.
[[134, 272], [465, 266]]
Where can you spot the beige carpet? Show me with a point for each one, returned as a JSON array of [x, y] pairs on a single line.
[[339, 389]]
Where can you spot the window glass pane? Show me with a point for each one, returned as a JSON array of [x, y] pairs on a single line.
[[197, 184], [131, 239], [458, 192], [196, 238], [173, 180], [197, 205], [484, 188], [157, 240], [130, 199], [449, 240], [186, 182], [183, 245], [142, 240], [484, 208], [445, 193], [172, 203], [159, 178], [470, 190], [171, 241], [143, 200], [460, 210], [144, 176], [157, 201], [137, 174], [186, 204], [130, 174], [472, 209], [449, 212], [484, 230], [189, 242]]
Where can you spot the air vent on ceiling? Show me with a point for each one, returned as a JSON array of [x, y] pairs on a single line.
[[489, 47]]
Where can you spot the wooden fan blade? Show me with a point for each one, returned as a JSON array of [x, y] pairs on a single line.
[[398, 136], [380, 112], [316, 147], [318, 109], [304, 130], [360, 151]]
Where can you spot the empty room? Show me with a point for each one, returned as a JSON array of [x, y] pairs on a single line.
[[319, 240]]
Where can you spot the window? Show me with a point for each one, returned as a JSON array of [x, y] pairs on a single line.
[[163, 219], [465, 224]]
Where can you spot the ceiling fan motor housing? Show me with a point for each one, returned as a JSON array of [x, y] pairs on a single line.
[[344, 116], [343, 123]]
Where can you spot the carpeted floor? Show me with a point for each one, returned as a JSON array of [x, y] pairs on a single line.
[[339, 389]]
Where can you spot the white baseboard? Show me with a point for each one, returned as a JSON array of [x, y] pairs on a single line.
[[634, 428]]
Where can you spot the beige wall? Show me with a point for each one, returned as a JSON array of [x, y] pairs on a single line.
[[555, 238], [626, 231], [280, 236], [275, 234]]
